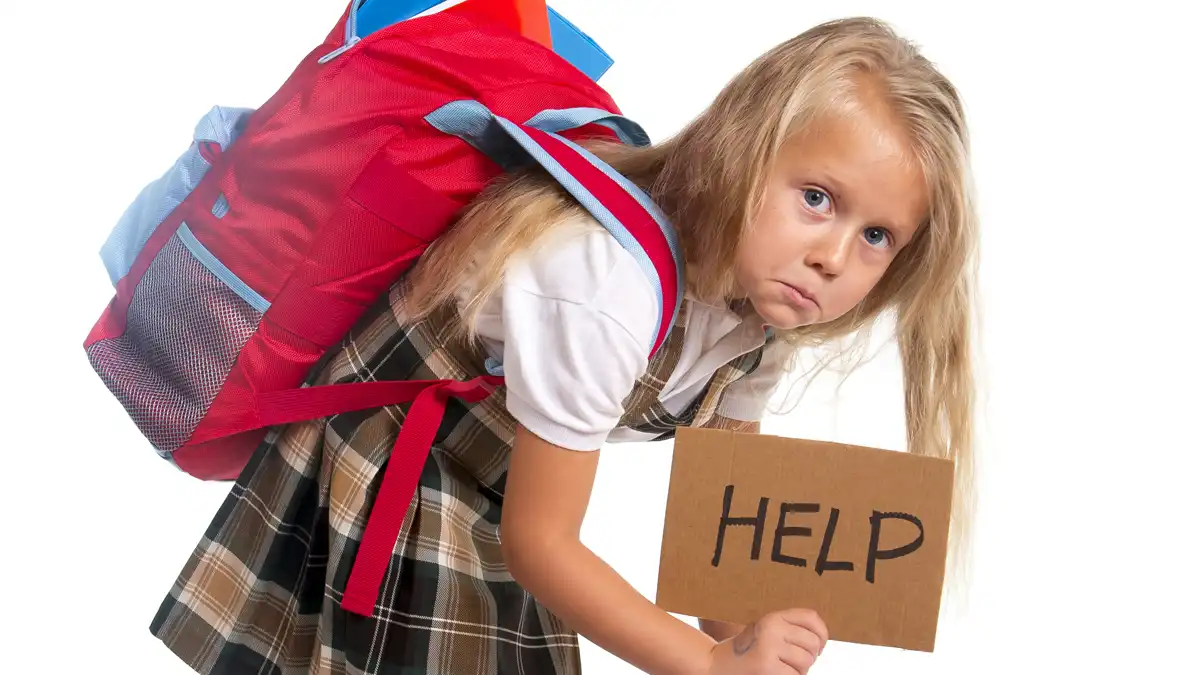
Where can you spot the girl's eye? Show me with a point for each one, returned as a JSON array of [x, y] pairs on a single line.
[[876, 236], [817, 200]]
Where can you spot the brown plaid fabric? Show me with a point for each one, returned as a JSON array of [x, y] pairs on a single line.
[[261, 592], [645, 413]]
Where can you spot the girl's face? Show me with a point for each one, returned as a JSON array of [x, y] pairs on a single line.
[[841, 202]]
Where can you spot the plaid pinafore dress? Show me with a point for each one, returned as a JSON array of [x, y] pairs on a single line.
[[261, 593]]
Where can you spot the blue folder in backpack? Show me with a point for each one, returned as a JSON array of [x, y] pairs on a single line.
[[569, 42]]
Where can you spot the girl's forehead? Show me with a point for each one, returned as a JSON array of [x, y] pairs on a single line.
[[864, 158]]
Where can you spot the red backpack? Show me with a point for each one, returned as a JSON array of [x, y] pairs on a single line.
[[256, 253]]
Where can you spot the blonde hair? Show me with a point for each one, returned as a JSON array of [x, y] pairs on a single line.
[[710, 180]]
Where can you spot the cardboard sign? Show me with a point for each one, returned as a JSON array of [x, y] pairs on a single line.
[[757, 523]]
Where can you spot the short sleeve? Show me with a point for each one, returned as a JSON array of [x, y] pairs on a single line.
[[746, 399], [579, 320]]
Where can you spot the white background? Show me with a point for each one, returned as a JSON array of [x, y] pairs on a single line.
[[1085, 144]]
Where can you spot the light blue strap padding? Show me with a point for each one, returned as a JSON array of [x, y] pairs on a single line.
[[475, 124], [554, 121], [653, 209], [220, 271], [507, 144], [155, 202]]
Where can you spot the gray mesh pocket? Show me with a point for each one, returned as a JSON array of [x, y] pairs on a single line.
[[183, 332]]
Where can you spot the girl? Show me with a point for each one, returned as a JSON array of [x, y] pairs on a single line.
[[826, 184]]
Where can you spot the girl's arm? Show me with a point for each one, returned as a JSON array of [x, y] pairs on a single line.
[[546, 496], [719, 630]]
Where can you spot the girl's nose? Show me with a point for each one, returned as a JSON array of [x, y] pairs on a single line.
[[831, 250]]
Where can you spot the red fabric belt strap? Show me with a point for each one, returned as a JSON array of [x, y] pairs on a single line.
[[403, 472]]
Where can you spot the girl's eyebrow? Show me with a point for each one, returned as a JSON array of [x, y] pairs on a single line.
[[831, 183], [834, 183], [838, 190]]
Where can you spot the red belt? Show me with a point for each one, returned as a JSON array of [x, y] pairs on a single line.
[[403, 471]]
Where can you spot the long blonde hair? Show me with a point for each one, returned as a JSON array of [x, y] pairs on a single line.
[[710, 180]]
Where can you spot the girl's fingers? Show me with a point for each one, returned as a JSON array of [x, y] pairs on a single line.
[[806, 640], [807, 618], [797, 658]]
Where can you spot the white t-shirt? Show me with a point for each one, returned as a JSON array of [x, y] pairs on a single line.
[[573, 324]]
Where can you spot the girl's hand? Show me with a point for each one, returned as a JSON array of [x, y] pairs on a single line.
[[781, 643]]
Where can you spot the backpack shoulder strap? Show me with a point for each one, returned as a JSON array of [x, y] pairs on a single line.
[[626, 211]]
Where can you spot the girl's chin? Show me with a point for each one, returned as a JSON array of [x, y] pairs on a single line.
[[784, 317]]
